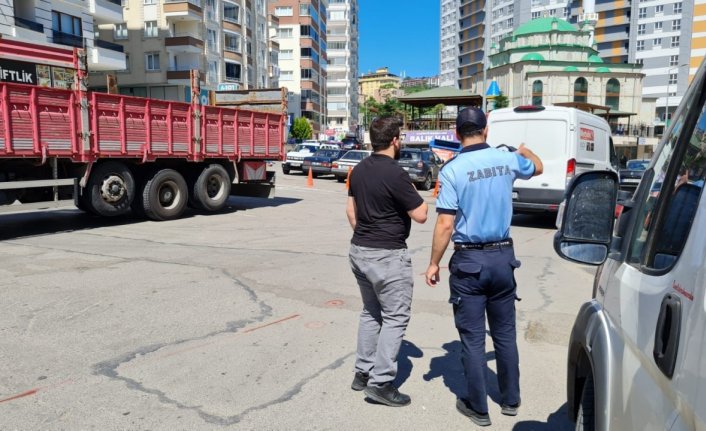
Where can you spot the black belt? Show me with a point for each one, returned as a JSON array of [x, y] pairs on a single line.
[[482, 245]]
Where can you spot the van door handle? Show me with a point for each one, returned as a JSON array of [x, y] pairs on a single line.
[[667, 334]]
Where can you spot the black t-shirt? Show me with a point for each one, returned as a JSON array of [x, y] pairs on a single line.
[[383, 193]]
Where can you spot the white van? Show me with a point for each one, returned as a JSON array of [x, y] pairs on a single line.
[[637, 351], [568, 141]]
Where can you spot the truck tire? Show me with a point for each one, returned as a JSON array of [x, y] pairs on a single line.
[[340, 179], [110, 189], [211, 189], [285, 170], [165, 195], [585, 418]]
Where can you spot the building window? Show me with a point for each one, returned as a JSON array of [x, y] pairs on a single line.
[[284, 11], [120, 31], [672, 78], [641, 28], [67, 29], [642, 12], [612, 93], [150, 2], [676, 24], [675, 41], [658, 26], [286, 75], [232, 42], [212, 40], [233, 71], [657, 43], [304, 9], [677, 7], [537, 90], [231, 12], [640, 45], [659, 9], [213, 71], [151, 29], [286, 54], [536, 15], [673, 60], [581, 90], [640, 61], [284, 33], [152, 61]]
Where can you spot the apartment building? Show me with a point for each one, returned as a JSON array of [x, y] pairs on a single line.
[[226, 40], [661, 41], [371, 83], [62, 25], [301, 36], [342, 73], [448, 55]]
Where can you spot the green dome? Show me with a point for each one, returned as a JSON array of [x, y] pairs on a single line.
[[544, 25], [595, 59], [571, 69], [603, 69], [532, 56]]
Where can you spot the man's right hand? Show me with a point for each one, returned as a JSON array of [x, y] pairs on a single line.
[[432, 275]]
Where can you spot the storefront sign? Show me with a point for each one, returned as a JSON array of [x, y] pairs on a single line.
[[21, 72], [18, 72], [425, 136]]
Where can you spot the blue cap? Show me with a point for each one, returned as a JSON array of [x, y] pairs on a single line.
[[470, 120]]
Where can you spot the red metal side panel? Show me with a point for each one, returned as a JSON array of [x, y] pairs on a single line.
[[37, 121], [244, 134], [260, 131], [107, 124], [274, 136]]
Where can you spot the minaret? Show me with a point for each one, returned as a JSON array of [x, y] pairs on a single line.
[[589, 18]]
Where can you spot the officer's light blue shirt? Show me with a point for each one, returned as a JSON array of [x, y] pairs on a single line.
[[476, 186]]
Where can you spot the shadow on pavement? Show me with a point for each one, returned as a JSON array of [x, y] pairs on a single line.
[[537, 221], [20, 225], [404, 364], [557, 421]]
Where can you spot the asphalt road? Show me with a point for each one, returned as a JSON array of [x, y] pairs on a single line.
[[247, 319]]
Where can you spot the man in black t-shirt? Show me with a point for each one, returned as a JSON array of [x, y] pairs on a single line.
[[381, 204]]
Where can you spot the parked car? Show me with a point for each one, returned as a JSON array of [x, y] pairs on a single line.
[[351, 143], [348, 161], [637, 350], [422, 165], [321, 162], [631, 175], [296, 157]]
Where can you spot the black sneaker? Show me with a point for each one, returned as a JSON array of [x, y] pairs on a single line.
[[509, 410], [480, 419], [360, 381], [387, 394]]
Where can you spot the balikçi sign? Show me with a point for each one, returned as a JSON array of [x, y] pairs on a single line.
[[424, 136]]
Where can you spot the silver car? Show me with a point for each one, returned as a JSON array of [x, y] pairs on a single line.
[[341, 166]]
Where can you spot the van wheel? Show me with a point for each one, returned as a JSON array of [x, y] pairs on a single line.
[[110, 190], [212, 188], [341, 179], [585, 418], [165, 195]]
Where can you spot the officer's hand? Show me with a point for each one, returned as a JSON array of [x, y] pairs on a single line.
[[432, 275]]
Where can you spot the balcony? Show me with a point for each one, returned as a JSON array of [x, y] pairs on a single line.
[[105, 56], [29, 31], [68, 39], [183, 10], [184, 43], [106, 11]]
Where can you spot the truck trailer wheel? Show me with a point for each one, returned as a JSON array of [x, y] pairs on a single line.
[[165, 195], [110, 189], [212, 188]]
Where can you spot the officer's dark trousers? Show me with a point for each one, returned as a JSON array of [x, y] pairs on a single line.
[[482, 282]]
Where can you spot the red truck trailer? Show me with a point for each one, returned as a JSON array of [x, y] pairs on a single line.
[[111, 154]]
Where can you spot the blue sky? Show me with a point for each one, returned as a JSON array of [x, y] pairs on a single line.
[[402, 35]]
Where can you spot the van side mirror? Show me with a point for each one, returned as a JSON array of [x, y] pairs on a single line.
[[587, 221]]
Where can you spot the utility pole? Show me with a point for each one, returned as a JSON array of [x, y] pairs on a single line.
[[485, 52]]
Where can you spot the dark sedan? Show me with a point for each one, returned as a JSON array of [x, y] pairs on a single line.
[[320, 162], [632, 174], [422, 165]]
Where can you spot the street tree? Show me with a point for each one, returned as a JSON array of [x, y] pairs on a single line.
[[301, 129]]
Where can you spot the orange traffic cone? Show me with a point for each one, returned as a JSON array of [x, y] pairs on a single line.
[[310, 179], [435, 193], [348, 178]]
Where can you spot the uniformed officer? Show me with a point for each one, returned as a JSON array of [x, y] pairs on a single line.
[[475, 209]]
